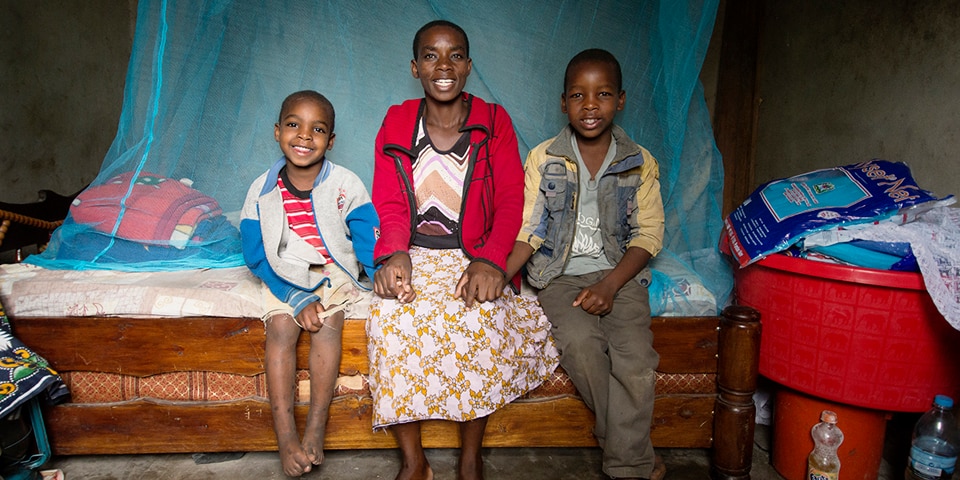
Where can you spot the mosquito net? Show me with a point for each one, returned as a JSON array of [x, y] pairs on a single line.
[[206, 79]]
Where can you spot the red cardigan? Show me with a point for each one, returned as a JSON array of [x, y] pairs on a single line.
[[493, 197]]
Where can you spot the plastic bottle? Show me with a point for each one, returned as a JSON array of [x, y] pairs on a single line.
[[823, 463], [933, 451]]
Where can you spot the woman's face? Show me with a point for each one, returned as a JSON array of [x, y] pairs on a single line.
[[442, 64]]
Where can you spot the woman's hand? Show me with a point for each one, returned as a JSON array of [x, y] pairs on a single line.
[[480, 282], [392, 280]]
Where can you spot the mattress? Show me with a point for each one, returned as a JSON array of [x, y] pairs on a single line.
[[31, 291]]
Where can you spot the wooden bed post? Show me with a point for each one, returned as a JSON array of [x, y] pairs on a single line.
[[735, 412]]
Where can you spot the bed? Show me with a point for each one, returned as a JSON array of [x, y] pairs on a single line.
[[173, 362], [158, 369]]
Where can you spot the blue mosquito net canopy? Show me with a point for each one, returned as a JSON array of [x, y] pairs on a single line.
[[206, 79]]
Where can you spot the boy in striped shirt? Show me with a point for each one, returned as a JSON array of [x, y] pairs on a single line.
[[307, 229]]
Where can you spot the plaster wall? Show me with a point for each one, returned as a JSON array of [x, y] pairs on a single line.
[[62, 70], [842, 82]]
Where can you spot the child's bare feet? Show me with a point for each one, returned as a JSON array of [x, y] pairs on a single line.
[[294, 459], [313, 445]]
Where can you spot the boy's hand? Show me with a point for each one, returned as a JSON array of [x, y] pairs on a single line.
[[480, 282], [309, 317], [392, 280], [597, 299]]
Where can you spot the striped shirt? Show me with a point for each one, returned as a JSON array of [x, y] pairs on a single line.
[[299, 209]]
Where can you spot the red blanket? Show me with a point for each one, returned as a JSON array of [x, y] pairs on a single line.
[[158, 210]]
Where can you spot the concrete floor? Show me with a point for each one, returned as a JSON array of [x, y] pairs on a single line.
[[500, 464]]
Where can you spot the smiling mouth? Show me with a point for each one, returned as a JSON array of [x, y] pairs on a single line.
[[590, 122], [444, 82], [302, 150]]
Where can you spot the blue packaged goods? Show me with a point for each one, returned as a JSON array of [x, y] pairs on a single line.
[[779, 213]]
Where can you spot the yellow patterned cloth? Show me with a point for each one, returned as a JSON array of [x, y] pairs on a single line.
[[434, 358]]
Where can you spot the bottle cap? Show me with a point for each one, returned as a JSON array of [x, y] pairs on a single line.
[[828, 416], [943, 401]]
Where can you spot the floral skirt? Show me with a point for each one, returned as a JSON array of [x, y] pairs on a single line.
[[433, 358]]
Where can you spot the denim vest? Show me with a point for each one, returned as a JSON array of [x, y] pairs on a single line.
[[559, 190]]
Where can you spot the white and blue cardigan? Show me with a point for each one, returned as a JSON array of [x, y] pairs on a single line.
[[345, 217]]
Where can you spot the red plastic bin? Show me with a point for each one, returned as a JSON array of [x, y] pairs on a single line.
[[859, 336]]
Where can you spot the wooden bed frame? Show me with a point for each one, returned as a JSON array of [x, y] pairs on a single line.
[[727, 345]]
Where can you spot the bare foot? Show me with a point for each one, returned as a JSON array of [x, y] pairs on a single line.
[[313, 446], [294, 459], [419, 470], [314, 454], [659, 468]]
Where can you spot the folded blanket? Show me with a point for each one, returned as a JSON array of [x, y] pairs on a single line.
[[154, 210], [23, 373]]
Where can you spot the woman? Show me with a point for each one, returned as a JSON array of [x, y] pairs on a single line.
[[448, 338]]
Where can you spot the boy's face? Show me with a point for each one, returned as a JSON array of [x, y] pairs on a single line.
[[442, 64], [304, 133], [592, 99]]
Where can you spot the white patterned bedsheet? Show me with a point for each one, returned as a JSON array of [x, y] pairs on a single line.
[[30, 291]]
